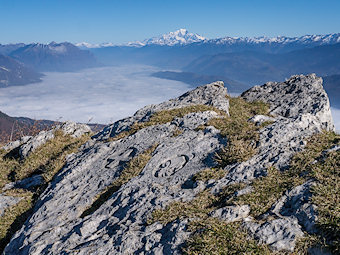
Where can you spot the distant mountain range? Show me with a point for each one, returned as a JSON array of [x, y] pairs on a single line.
[[14, 73], [239, 61], [178, 37], [254, 67], [20, 64], [6, 49], [54, 57], [178, 49], [184, 37]]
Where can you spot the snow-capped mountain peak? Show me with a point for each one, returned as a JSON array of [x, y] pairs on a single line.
[[180, 36], [184, 37]]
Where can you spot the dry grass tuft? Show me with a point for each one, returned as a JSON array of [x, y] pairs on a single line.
[[209, 174], [216, 237], [210, 235], [324, 168], [14, 217], [311, 163], [242, 135], [46, 160], [166, 116], [267, 190]]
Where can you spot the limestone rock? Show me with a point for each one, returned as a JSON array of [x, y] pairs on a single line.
[[15, 144], [118, 226], [58, 224], [213, 94], [232, 213], [74, 129], [302, 109], [260, 119], [280, 234], [35, 142], [27, 183], [299, 95], [296, 203], [7, 201], [27, 145]]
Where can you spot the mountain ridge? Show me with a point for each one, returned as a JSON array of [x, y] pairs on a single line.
[[15, 73], [184, 37], [54, 57]]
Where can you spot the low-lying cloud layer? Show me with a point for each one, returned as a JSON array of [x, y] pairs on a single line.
[[103, 94], [336, 118]]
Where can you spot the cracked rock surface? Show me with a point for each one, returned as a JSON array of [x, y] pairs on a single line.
[[119, 225], [280, 234], [300, 108], [28, 144], [213, 94], [232, 213]]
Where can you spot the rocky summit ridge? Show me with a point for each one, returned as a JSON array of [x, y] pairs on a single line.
[[111, 196]]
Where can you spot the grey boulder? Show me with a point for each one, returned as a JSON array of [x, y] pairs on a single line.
[[30, 144]]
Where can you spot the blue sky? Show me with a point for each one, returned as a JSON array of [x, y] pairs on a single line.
[[120, 21]]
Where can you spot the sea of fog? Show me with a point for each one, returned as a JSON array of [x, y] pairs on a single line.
[[102, 95]]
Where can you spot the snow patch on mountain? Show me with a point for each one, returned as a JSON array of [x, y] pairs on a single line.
[[58, 48], [86, 45], [184, 37], [4, 68], [178, 37], [306, 39], [181, 36]]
